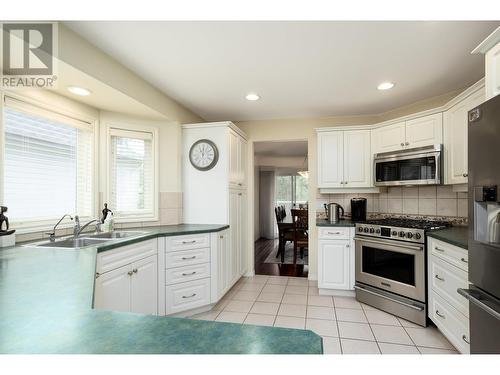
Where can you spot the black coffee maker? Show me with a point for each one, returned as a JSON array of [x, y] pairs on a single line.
[[358, 209]]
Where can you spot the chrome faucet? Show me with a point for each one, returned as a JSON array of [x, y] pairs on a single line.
[[77, 230], [52, 235]]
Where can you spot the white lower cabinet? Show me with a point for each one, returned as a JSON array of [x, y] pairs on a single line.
[[448, 309], [336, 260], [131, 285], [187, 296]]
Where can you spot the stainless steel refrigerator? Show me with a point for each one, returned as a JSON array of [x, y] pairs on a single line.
[[484, 227]]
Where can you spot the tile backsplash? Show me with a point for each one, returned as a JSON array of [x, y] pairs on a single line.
[[439, 201]]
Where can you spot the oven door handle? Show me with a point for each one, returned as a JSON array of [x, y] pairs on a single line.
[[418, 248], [418, 308]]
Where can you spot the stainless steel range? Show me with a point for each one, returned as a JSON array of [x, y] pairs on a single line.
[[390, 266]]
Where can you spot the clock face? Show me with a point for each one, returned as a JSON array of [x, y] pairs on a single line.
[[203, 155]]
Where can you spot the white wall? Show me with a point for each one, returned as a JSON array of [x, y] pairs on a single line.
[[256, 203], [266, 204]]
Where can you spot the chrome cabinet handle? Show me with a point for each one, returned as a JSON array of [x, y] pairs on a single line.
[[191, 296], [334, 232], [464, 337], [464, 260], [186, 258], [134, 270], [438, 277], [439, 249], [440, 315], [130, 273], [189, 274], [407, 143], [186, 242], [465, 175]]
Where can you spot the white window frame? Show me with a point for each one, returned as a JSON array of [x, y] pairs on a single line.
[[41, 108], [117, 126]]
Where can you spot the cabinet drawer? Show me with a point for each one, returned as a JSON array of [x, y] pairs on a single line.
[[187, 257], [450, 322], [445, 279], [187, 273], [452, 254], [113, 259], [186, 296], [334, 233], [193, 241]]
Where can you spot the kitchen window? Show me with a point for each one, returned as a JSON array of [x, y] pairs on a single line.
[[48, 165], [132, 194]]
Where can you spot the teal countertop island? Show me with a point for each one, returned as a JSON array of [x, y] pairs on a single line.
[[45, 307]]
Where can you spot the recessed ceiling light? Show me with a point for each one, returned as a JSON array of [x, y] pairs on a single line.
[[79, 91], [252, 97], [385, 86]]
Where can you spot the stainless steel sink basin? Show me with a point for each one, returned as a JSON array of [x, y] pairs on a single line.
[[115, 235], [73, 243]]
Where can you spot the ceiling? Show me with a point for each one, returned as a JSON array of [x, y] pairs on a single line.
[[281, 149], [300, 69]]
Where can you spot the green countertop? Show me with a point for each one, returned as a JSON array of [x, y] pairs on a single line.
[[457, 236], [341, 223], [45, 307]]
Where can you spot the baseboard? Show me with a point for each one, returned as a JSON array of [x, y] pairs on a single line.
[[337, 292]]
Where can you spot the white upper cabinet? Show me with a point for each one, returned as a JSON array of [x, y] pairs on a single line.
[[424, 131], [357, 159], [418, 132], [330, 159], [490, 47], [237, 160], [455, 138], [389, 138]]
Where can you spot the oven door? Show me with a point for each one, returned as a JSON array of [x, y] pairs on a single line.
[[391, 265]]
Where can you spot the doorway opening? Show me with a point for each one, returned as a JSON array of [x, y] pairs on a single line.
[[281, 178]]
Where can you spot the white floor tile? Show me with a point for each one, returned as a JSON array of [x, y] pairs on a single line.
[[267, 308], [290, 322], [325, 301], [298, 311], [295, 299], [231, 317], [406, 323], [238, 306], [221, 304], [359, 347], [381, 317], [313, 283], [209, 315], [346, 302], [429, 337], [367, 307], [358, 331], [270, 297], [321, 312], [296, 289], [391, 334], [386, 348], [350, 315], [251, 287], [331, 345], [243, 295], [323, 327], [425, 350], [277, 280], [313, 291], [273, 288], [260, 320], [293, 281]]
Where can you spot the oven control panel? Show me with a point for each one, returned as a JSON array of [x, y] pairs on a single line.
[[396, 233]]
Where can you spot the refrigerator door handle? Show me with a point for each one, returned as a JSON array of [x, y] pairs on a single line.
[[472, 296]]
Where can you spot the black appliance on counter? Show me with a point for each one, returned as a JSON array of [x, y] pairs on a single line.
[[484, 228], [358, 209]]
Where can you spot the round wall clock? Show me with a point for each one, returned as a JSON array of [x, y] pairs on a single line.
[[203, 155]]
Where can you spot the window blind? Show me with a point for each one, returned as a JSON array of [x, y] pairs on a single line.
[[131, 173], [48, 168]]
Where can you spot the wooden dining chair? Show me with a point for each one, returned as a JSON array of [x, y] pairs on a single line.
[[284, 235], [300, 232]]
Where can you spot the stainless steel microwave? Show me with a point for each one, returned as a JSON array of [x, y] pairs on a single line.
[[415, 166]]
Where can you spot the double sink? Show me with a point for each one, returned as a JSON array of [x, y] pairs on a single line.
[[89, 240]]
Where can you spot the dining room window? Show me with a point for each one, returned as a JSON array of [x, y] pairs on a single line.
[[291, 191]]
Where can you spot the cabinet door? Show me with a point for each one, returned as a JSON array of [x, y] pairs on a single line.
[[144, 286], [222, 264], [424, 131], [242, 169], [234, 223], [455, 139], [330, 159], [389, 138], [242, 238], [112, 290], [493, 72], [234, 159], [334, 263], [357, 159]]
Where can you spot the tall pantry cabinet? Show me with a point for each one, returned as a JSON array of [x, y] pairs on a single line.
[[219, 195]]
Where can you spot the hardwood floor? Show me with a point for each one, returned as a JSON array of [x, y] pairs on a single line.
[[263, 247]]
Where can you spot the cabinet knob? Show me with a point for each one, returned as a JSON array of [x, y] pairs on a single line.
[[134, 270], [465, 175], [407, 143], [345, 182], [130, 273], [464, 260], [402, 144], [347, 245]]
